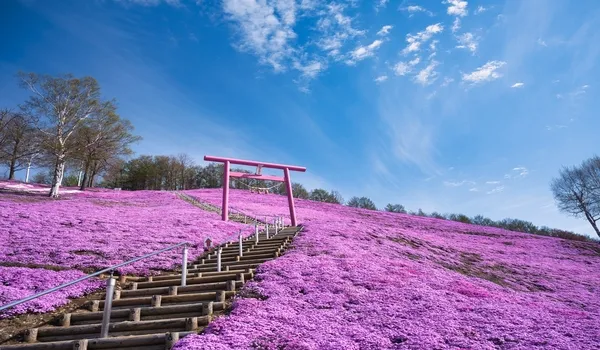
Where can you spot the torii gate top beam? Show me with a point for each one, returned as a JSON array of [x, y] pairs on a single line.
[[227, 173], [254, 163]]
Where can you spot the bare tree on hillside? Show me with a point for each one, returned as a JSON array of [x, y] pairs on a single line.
[[577, 191], [59, 106], [100, 141], [20, 144]]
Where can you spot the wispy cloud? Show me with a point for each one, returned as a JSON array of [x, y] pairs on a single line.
[[492, 182], [362, 52], [517, 85], [467, 41], [381, 4], [458, 183], [487, 72], [481, 9], [456, 25], [457, 7], [427, 75], [381, 78], [311, 69], [517, 172], [497, 189], [416, 40], [473, 189], [385, 30], [265, 30], [412, 9], [404, 68]]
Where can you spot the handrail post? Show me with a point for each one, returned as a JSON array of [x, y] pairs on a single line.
[[184, 266], [219, 251], [275, 224], [267, 229], [256, 232], [110, 290], [241, 248]]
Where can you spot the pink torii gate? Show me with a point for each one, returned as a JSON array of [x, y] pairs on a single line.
[[227, 173]]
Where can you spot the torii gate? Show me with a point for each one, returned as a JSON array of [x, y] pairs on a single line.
[[227, 173]]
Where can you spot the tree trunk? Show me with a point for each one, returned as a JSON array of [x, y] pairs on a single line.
[[86, 171], [13, 161], [592, 222], [59, 171]]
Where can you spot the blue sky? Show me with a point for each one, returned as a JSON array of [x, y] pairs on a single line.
[[451, 106]]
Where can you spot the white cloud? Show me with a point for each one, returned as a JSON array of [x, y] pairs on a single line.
[[458, 183], [415, 40], [265, 29], [456, 25], [467, 41], [381, 4], [362, 52], [492, 182], [385, 30], [336, 28], [522, 171], [517, 85], [457, 7], [481, 9], [381, 78], [447, 81], [403, 68], [310, 70], [474, 189], [496, 190], [427, 75], [412, 9], [487, 72]]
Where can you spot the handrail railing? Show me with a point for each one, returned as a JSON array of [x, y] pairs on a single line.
[[110, 284]]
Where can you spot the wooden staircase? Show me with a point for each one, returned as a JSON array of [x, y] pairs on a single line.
[[154, 312]]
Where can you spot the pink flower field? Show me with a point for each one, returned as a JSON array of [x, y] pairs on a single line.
[[359, 279], [94, 230]]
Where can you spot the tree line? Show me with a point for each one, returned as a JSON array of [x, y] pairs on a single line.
[[64, 123]]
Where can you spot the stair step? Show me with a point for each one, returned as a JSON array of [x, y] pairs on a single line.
[[180, 290], [227, 276], [49, 334], [145, 313], [146, 342]]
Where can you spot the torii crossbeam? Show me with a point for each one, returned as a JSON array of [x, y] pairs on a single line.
[[227, 174]]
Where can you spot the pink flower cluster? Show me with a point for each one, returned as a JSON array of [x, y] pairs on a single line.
[[360, 279], [20, 282], [99, 229], [92, 231]]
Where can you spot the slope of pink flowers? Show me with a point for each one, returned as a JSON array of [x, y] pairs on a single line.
[[19, 282], [359, 279], [100, 229], [91, 231]]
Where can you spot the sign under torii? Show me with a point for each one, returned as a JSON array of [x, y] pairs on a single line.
[[227, 174]]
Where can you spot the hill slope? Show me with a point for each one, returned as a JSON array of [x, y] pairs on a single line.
[[361, 279]]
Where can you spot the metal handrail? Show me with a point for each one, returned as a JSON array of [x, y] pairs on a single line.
[[109, 285]]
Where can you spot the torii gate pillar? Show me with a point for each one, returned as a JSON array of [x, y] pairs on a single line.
[[228, 174]]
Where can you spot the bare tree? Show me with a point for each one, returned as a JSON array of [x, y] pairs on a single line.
[[20, 144], [59, 106], [185, 162], [577, 191], [101, 140]]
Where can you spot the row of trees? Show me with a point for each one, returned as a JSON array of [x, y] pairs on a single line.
[[65, 122]]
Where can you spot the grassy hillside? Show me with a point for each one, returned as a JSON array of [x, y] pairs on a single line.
[[360, 279]]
